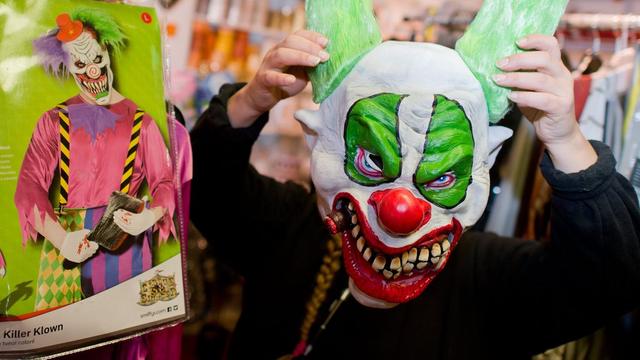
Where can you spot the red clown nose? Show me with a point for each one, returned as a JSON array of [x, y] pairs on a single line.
[[399, 212]]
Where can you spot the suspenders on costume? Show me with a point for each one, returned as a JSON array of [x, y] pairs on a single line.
[[125, 182], [65, 153]]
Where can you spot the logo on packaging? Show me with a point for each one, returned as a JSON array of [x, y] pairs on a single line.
[[158, 288]]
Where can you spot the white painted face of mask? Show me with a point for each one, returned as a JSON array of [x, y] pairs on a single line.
[[90, 65], [386, 268]]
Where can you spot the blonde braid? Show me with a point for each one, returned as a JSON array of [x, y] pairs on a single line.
[[331, 263]]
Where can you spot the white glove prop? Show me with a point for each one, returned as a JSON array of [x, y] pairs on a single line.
[[76, 247], [134, 224]]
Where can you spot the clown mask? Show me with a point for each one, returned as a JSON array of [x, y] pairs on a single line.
[[85, 57], [90, 67], [401, 148]]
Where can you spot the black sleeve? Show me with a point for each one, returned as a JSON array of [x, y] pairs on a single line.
[[589, 273], [246, 216]]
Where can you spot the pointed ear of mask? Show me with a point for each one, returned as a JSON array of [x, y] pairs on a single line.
[[497, 136], [493, 35], [352, 30], [311, 124]]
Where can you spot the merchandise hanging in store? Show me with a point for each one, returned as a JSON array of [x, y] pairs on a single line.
[[91, 211], [629, 164]]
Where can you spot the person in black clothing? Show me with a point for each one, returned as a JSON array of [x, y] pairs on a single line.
[[496, 298]]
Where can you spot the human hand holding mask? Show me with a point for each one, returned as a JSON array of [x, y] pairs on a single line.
[[545, 96], [281, 75]]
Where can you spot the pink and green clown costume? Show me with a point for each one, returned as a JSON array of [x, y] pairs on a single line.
[[90, 149], [404, 138]]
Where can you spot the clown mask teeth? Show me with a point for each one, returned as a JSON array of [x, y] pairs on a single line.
[[445, 245], [379, 263], [411, 265], [367, 254], [95, 87], [395, 265]]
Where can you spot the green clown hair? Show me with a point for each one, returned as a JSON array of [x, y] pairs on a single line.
[[493, 35], [352, 30], [106, 28]]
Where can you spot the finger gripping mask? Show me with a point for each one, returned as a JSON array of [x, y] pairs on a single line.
[[403, 141]]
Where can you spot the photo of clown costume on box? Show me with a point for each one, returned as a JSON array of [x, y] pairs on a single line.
[[93, 144]]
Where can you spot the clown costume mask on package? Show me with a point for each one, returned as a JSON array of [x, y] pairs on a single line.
[[84, 53], [88, 61], [402, 143]]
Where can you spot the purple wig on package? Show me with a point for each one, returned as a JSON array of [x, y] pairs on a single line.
[[52, 57]]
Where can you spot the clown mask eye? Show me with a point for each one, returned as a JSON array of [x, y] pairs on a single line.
[[373, 155], [444, 174], [79, 64], [98, 59], [443, 182], [369, 164]]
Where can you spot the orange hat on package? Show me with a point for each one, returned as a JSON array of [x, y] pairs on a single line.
[[69, 29]]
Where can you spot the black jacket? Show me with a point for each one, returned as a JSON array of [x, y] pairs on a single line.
[[497, 298]]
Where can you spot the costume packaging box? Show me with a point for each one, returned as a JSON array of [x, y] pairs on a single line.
[[89, 213]]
